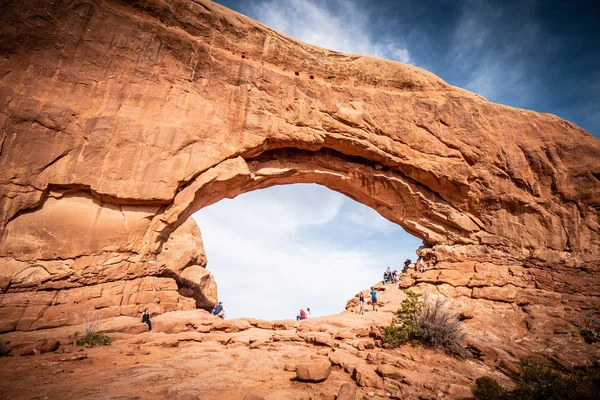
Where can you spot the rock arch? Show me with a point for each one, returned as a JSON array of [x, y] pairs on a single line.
[[121, 118]]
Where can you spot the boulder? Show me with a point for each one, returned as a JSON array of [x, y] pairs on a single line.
[[49, 345], [467, 314], [366, 377], [313, 371], [347, 392]]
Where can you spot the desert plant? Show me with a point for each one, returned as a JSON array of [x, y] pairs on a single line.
[[403, 326], [91, 337], [429, 322], [486, 388], [589, 333], [438, 326], [536, 381]]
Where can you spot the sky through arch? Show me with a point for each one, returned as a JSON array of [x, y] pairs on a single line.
[[276, 250]]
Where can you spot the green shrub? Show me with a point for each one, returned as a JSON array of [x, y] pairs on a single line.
[[536, 381], [403, 327], [486, 388], [91, 339], [429, 322]]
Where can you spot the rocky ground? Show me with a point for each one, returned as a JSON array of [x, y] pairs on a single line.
[[193, 355]]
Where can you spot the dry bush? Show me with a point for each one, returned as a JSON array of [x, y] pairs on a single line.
[[589, 333], [438, 326], [429, 322], [91, 337]]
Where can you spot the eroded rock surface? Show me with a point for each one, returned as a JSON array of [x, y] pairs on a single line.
[[122, 118]]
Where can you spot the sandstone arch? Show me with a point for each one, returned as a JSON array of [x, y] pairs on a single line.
[[121, 118]]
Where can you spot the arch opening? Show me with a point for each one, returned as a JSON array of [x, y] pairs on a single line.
[[287, 247]]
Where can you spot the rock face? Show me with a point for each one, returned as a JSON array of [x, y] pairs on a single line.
[[122, 118]]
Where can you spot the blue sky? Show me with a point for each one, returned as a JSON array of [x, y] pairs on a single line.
[[276, 250]]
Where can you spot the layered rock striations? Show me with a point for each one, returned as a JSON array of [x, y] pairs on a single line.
[[122, 118]]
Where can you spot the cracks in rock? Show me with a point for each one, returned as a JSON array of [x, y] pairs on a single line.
[[83, 189], [56, 160]]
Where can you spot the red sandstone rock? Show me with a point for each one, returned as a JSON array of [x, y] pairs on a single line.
[[467, 314], [365, 377], [388, 371], [106, 153], [252, 397], [313, 371], [347, 392]]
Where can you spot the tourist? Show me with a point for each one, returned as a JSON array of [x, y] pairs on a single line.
[[407, 263], [219, 311], [420, 265], [374, 298], [301, 316], [307, 312], [361, 304], [146, 319], [387, 276], [395, 276]]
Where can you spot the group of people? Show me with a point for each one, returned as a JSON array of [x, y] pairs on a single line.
[[390, 276], [361, 301], [217, 310], [303, 314]]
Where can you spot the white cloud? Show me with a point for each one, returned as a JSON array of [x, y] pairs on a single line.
[[265, 269], [347, 29]]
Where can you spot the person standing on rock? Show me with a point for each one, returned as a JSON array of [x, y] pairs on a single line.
[[146, 319], [421, 265], [361, 304], [374, 299], [307, 312]]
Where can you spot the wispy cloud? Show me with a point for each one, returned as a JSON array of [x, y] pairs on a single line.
[[266, 269], [491, 46], [336, 25]]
